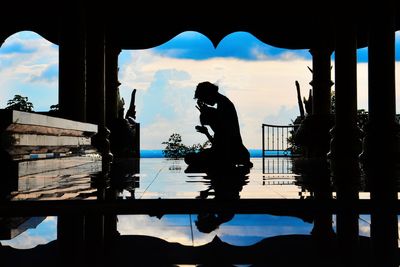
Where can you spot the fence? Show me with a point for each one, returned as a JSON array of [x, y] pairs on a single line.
[[277, 148]]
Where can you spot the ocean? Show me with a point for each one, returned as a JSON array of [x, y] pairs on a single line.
[[157, 153]]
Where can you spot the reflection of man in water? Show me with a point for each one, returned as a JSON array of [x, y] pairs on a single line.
[[223, 186], [227, 146]]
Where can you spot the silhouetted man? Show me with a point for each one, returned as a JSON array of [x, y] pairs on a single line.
[[227, 147]]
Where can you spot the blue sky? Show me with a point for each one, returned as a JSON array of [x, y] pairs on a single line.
[[258, 78]]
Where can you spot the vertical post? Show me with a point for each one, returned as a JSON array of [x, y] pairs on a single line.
[[72, 105], [263, 149], [72, 86], [381, 144], [321, 82], [111, 85], [95, 83], [346, 140], [95, 73], [316, 129]]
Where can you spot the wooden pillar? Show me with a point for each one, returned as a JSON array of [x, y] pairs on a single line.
[[346, 141], [381, 146], [72, 86]]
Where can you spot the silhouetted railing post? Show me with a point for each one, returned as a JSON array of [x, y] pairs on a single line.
[[263, 148]]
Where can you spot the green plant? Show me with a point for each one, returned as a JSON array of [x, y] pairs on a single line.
[[175, 149], [20, 103], [54, 108]]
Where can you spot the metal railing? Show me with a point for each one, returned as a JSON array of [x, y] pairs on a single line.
[[275, 144]]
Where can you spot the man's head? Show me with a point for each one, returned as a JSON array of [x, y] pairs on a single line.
[[206, 92]]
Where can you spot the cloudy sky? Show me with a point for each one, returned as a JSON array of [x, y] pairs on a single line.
[[258, 78]]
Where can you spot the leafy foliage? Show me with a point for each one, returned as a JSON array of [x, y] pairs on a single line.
[[54, 110], [175, 149], [362, 120], [20, 103]]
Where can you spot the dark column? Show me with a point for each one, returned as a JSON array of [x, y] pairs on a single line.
[[112, 83], [71, 239], [72, 89], [72, 105], [316, 128], [321, 120], [113, 106], [381, 146], [95, 85], [95, 73], [321, 83], [346, 141]]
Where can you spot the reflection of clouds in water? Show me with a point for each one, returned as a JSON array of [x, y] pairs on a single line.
[[364, 225], [25, 241], [50, 219], [263, 231], [365, 230], [241, 230], [250, 229], [174, 228], [42, 234]]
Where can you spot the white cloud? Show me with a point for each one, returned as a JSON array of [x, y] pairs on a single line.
[[257, 88], [22, 73], [261, 90]]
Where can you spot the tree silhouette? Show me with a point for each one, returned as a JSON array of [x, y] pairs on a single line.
[[20, 103], [175, 149]]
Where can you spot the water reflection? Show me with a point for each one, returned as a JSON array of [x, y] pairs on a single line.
[[70, 182], [157, 179], [200, 229], [222, 185], [42, 233]]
